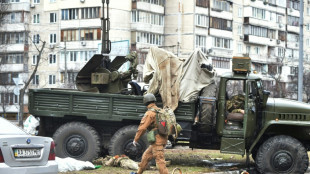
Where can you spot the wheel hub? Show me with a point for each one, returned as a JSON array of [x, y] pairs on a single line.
[[133, 152], [75, 146], [282, 161]]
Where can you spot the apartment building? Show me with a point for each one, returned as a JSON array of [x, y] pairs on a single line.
[[14, 50], [72, 32], [267, 31]]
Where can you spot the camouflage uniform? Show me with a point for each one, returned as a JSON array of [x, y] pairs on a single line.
[[155, 150], [235, 104]]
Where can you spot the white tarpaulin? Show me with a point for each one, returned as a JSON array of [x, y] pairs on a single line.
[[195, 76], [162, 70], [175, 79]]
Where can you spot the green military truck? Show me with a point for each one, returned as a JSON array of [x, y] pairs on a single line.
[[275, 131]]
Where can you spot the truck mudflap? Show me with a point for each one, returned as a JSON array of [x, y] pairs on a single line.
[[277, 122]]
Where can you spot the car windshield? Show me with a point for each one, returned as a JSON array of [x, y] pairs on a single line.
[[8, 128]]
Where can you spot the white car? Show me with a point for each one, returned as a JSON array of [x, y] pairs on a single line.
[[21, 153]]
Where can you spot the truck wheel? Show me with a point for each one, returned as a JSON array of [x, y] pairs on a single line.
[[121, 143], [282, 154], [77, 140]]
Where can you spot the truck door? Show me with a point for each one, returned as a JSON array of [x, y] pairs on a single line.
[[233, 139], [250, 108]]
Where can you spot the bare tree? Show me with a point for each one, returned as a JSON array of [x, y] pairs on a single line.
[[40, 49], [275, 71], [4, 6], [306, 85]]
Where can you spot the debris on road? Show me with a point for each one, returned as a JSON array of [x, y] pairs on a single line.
[[30, 125], [70, 164]]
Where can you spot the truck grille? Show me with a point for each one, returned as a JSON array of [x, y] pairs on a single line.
[[298, 117]]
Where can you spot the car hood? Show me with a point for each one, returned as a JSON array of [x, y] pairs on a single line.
[[280, 105]]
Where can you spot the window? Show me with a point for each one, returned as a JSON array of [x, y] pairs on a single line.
[[14, 0], [257, 50], [7, 78], [308, 42], [221, 24], [308, 11], [308, 27], [52, 58], [53, 18], [292, 20], [36, 18], [293, 70], [12, 59], [240, 48], [89, 34], [36, 1], [201, 43], [13, 17], [52, 38], [281, 52], [16, 99], [202, 3], [293, 4], [282, 35], [71, 76], [248, 50], [52, 1], [147, 17], [239, 29], [258, 13], [240, 10], [150, 38], [36, 39], [90, 12], [69, 14], [35, 80], [222, 43], [202, 20], [52, 79], [12, 38], [260, 31], [291, 37], [73, 56], [221, 5], [221, 62], [34, 59]]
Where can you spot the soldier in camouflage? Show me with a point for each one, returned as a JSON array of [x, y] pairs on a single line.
[[236, 104]]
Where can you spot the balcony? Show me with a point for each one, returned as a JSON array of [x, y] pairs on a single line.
[[260, 40], [83, 23], [23, 6], [221, 14], [220, 33], [293, 45], [263, 23], [147, 27], [148, 7], [291, 28]]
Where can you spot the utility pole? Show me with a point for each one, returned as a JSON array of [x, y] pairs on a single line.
[[66, 69], [301, 51]]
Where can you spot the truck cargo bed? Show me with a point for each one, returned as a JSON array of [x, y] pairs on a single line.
[[95, 106]]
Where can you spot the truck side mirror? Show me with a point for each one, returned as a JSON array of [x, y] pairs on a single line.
[[265, 97]]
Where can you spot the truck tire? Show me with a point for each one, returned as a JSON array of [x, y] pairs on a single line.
[[77, 140], [121, 143], [282, 154]]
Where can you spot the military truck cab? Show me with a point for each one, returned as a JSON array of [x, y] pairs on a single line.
[[243, 121]]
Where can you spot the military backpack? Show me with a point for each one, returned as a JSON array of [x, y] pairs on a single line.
[[166, 122]]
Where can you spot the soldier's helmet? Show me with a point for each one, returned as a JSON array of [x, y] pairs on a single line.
[[148, 98]]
